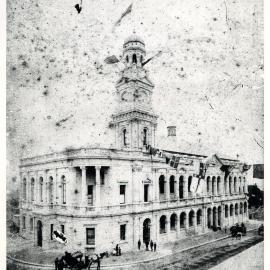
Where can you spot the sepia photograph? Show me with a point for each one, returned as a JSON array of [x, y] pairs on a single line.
[[134, 134]]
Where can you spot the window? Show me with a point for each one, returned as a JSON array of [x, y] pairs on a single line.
[[23, 222], [32, 189], [51, 231], [90, 194], [90, 236], [172, 184], [181, 187], [41, 189], [63, 190], [208, 179], [51, 190], [134, 58], [145, 136], [183, 220], [122, 194], [162, 224], [24, 189], [124, 137], [226, 211], [141, 58], [31, 224], [127, 59], [173, 222], [191, 218], [231, 210], [102, 176], [123, 232], [199, 217], [189, 183], [63, 229], [146, 188], [161, 184]]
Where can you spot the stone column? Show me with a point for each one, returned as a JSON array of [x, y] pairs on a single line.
[[177, 226], [176, 186], [28, 195], [204, 218], [168, 229], [186, 225], [185, 187], [215, 187], [98, 186], [36, 189], [157, 228], [167, 185], [245, 186], [156, 185], [228, 185], [56, 187], [195, 221], [83, 186]]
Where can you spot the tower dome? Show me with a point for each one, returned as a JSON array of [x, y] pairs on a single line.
[[134, 50]]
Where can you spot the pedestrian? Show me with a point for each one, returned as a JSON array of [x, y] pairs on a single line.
[[147, 244], [139, 244], [155, 247], [225, 228], [151, 245], [98, 263], [119, 251], [56, 262]]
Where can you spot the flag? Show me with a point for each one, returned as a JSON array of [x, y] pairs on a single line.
[[194, 184], [111, 59], [128, 10], [202, 170], [60, 237]]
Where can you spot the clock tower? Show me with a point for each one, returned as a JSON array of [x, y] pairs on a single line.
[[134, 121]]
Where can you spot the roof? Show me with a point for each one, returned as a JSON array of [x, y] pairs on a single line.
[[134, 38]]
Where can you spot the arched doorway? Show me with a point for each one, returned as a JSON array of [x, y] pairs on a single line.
[[39, 233], [146, 230]]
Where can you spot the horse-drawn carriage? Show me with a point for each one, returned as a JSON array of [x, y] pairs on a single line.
[[75, 261], [238, 231]]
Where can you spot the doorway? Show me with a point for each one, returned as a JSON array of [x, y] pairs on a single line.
[[39, 233], [146, 230]]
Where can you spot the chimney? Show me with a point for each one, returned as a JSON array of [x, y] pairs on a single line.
[[172, 141]]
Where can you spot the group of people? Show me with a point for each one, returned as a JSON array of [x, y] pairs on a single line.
[[153, 245], [117, 251]]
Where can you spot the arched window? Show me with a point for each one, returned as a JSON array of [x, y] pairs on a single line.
[[213, 185], [141, 58], [24, 188], [245, 207], [41, 189], [127, 59], [145, 136], [173, 222], [63, 189], [124, 137], [134, 58], [191, 217], [199, 217], [189, 183], [32, 189], [162, 184], [208, 182], [172, 184], [225, 185], [231, 210], [50, 190], [240, 185], [162, 224], [226, 211], [218, 184], [236, 209], [181, 187], [219, 215], [244, 183], [183, 218]]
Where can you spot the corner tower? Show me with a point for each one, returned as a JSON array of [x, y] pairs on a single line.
[[134, 121]]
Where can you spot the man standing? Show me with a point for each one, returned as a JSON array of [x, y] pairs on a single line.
[[155, 247], [151, 245], [139, 244]]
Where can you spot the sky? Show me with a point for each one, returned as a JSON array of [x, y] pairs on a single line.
[[208, 79]]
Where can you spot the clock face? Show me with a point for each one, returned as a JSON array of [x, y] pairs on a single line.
[[127, 96]]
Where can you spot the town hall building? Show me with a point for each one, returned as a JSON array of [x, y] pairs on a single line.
[[99, 197]]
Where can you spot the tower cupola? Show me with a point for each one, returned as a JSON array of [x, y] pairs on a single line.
[[134, 51]]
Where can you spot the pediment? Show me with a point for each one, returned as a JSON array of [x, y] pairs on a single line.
[[213, 160]]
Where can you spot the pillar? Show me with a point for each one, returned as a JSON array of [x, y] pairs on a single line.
[[177, 226], [167, 183], [215, 187], [195, 221], [185, 183], [98, 185], [83, 186], [36, 189], [228, 185], [56, 187], [176, 186], [168, 229], [157, 228], [186, 225]]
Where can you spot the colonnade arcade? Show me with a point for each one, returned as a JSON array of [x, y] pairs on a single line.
[[178, 186]]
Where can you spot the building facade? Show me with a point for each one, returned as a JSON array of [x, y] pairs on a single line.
[[100, 197]]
